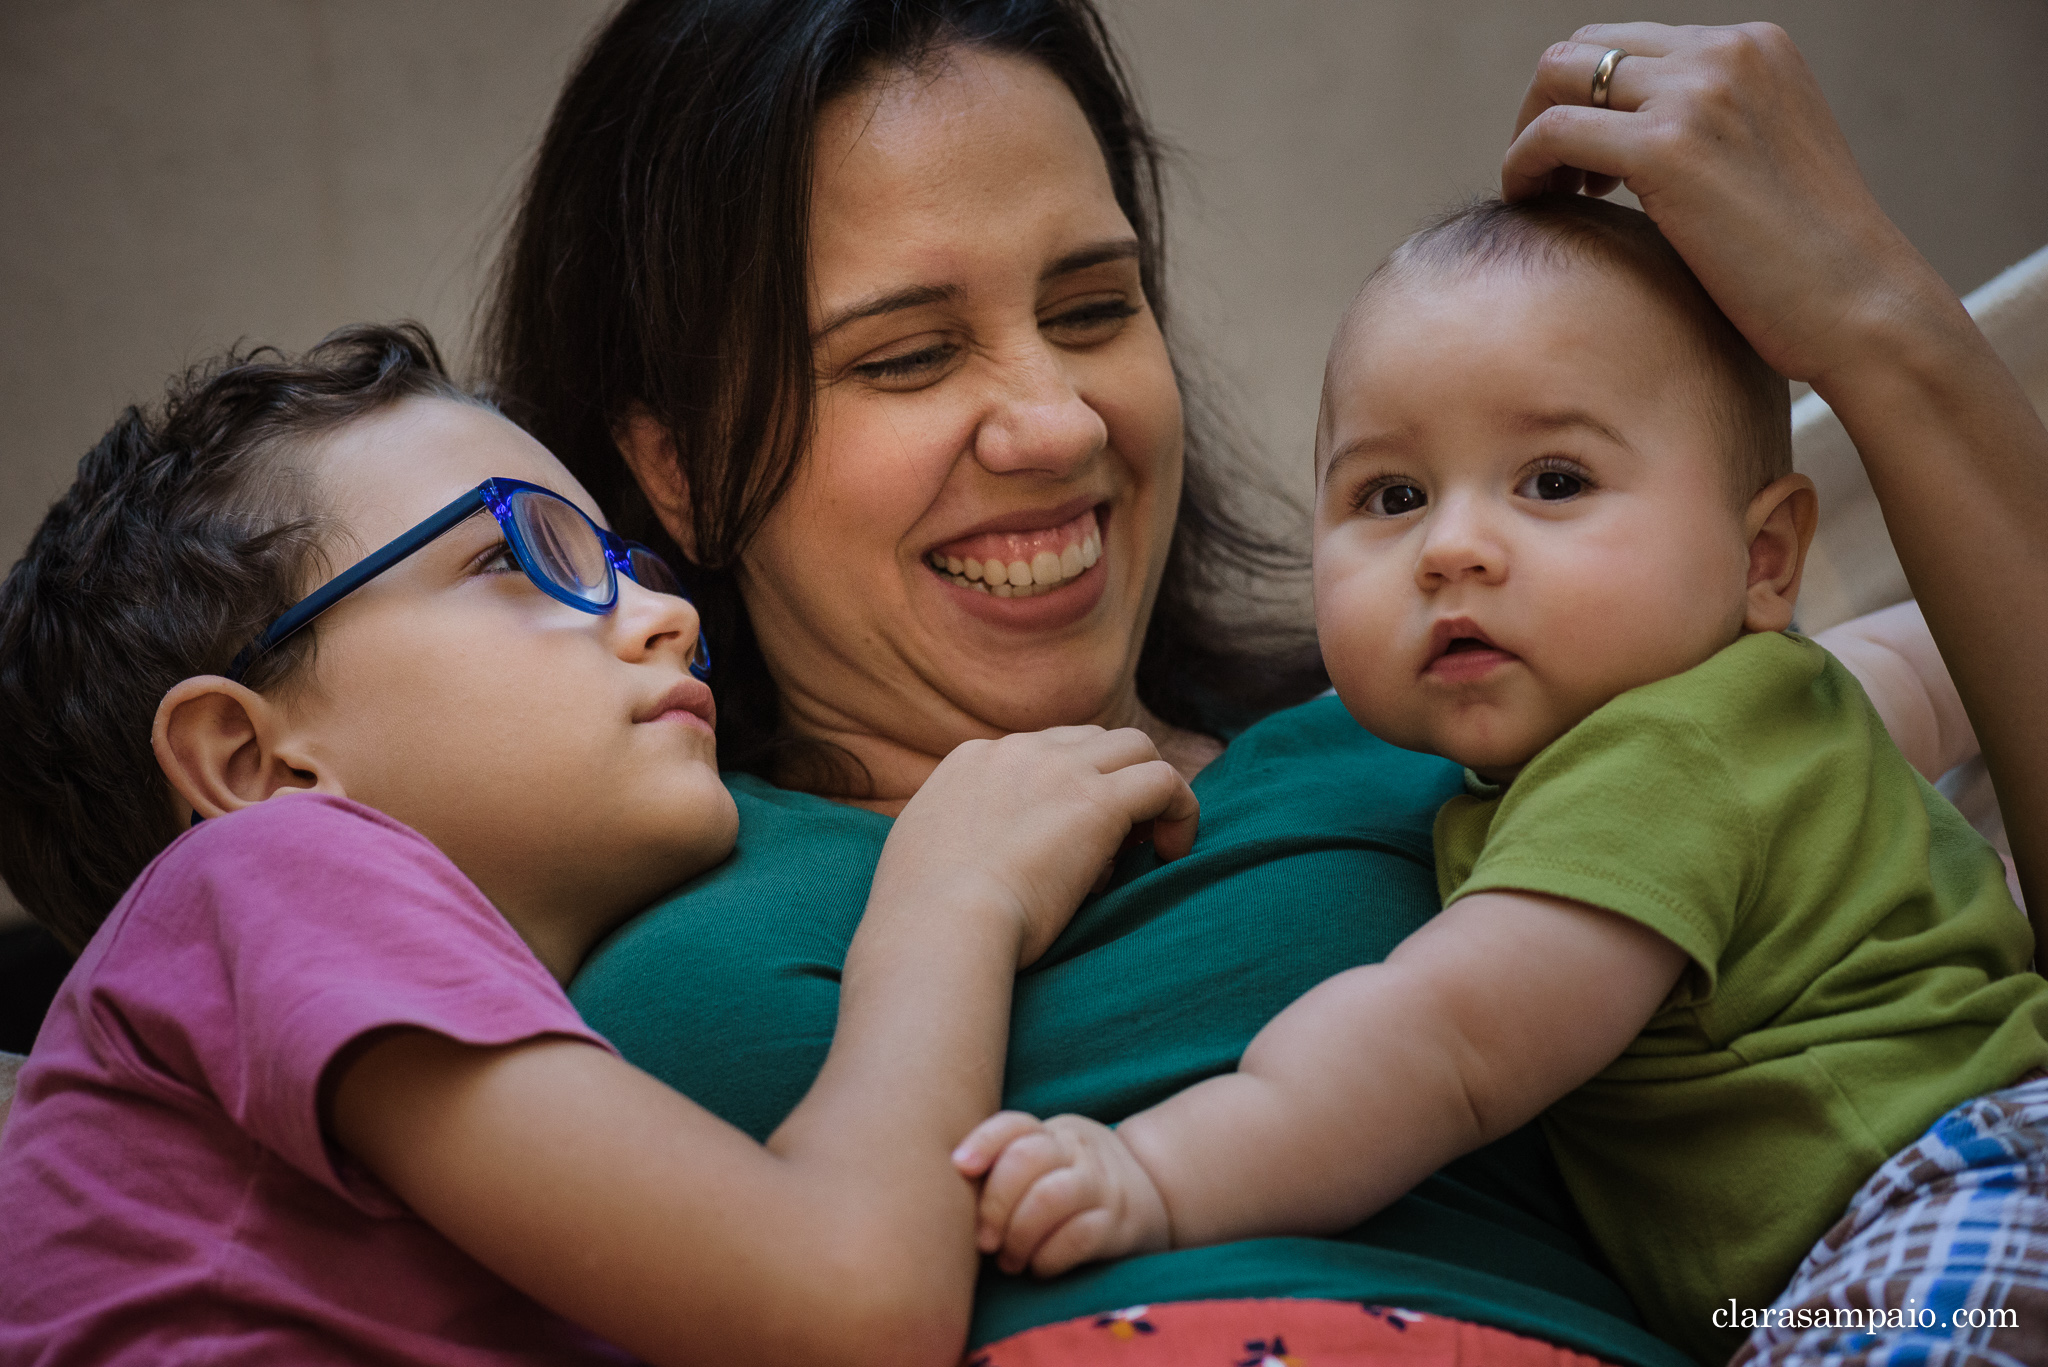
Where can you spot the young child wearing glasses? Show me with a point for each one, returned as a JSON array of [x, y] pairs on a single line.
[[1701, 916], [313, 1092]]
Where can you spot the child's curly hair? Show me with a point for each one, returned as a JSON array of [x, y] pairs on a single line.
[[188, 528]]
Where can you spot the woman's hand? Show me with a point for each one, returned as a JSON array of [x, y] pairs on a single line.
[[1028, 824], [1725, 137]]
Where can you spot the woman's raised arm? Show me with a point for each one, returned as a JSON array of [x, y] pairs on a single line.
[[1724, 136]]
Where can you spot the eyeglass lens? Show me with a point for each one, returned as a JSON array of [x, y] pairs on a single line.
[[650, 571], [563, 545]]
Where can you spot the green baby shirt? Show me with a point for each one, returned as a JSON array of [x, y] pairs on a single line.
[[1858, 966]]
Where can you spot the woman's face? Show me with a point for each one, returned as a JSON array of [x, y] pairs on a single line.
[[994, 404]]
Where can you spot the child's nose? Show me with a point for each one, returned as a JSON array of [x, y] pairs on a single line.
[[648, 623], [1459, 544]]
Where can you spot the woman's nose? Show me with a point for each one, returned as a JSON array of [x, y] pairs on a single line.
[[1038, 422], [1459, 545]]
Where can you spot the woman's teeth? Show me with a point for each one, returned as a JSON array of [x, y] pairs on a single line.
[[1021, 578]]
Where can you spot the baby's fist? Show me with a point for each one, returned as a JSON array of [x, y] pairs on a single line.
[[1059, 1192]]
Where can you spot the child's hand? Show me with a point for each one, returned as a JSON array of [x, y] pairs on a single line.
[[1060, 1192], [1030, 823]]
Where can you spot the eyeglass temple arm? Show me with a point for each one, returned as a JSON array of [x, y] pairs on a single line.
[[354, 577]]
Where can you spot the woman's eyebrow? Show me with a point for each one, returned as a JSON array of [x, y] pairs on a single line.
[[891, 301], [1119, 249]]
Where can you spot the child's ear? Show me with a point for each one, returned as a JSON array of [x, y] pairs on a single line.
[[1780, 524], [224, 746], [650, 453]]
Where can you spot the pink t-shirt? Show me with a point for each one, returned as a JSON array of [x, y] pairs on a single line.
[[166, 1193]]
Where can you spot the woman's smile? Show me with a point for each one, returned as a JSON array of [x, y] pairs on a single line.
[[1027, 557]]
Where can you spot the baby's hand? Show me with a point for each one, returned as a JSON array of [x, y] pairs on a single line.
[[1031, 822], [1060, 1192]]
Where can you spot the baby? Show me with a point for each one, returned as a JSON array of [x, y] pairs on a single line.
[[1700, 915], [313, 1092]]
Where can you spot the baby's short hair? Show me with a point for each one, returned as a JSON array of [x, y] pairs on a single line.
[[187, 530], [1752, 403]]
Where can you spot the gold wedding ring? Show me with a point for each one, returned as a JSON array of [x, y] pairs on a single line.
[[1603, 76]]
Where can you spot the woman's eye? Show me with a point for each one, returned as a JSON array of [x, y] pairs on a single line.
[[1393, 500], [913, 366], [1103, 317], [1552, 486]]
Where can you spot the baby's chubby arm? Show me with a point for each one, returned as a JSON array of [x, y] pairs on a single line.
[[1377, 1077], [847, 1238]]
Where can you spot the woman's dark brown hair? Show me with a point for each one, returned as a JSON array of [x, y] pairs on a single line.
[[659, 261]]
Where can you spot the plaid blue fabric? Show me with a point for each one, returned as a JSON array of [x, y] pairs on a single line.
[[1942, 1258]]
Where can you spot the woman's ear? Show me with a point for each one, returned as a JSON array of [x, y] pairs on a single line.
[[1780, 524], [224, 746], [650, 453]]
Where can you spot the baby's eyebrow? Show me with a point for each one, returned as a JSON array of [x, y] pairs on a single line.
[[1371, 444], [1562, 420]]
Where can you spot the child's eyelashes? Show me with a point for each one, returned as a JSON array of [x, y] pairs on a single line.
[[1389, 496], [1553, 480], [496, 558]]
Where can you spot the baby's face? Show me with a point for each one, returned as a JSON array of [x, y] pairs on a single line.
[[558, 757], [1521, 510]]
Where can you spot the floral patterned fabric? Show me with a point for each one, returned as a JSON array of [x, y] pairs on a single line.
[[1271, 1333]]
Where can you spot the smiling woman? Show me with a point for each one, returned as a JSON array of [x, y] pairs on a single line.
[[938, 307], [991, 386]]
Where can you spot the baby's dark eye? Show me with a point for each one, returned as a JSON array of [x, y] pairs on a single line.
[[1393, 500], [1552, 486]]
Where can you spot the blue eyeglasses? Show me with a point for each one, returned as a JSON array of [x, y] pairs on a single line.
[[567, 556]]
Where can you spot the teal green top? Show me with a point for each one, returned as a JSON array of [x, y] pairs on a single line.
[[1858, 966], [1314, 856]]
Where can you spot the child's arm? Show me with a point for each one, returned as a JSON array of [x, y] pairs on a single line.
[[1892, 654], [848, 1238], [1496, 1008]]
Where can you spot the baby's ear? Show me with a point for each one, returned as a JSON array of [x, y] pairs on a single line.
[[224, 746], [1780, 524], [650, 453]]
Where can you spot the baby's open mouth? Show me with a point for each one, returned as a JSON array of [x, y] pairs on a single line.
[[1461, 639], [1021, 564]]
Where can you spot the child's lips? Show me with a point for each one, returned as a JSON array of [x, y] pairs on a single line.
[[689, 702], [1467, 666], [1460, 652]]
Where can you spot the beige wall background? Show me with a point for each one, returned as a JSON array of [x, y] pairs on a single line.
[[179, 174]]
